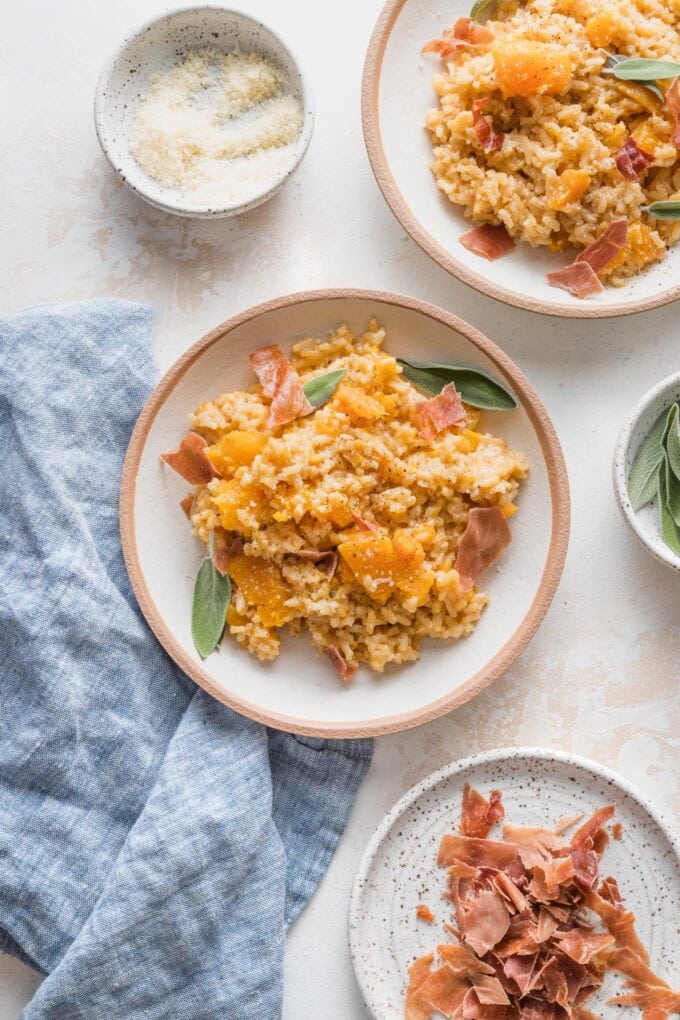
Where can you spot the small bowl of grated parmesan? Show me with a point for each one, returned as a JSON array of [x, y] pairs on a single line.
[[204, 112]]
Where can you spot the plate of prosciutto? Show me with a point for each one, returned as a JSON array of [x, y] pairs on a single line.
[[337, 488], [521, 883]]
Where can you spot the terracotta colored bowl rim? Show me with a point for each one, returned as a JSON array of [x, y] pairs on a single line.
[[370, 114], [559, 492]]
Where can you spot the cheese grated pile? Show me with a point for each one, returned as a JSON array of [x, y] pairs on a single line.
[[218, 127]]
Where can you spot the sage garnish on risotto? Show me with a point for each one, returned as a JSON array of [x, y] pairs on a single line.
[[560, 119], [364, 522]]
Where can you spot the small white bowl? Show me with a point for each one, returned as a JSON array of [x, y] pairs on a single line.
[[645, 523], [156, 46]]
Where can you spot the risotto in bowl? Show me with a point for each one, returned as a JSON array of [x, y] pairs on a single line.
[[545, 139], [336, 525]]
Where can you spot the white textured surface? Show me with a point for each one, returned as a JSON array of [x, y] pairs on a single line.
[[601, 676]]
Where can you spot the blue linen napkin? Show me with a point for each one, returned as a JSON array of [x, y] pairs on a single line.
[[154, 845]]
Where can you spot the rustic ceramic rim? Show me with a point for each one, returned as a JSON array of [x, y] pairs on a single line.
[[370, 114], [205, 212], [620, 476], [559, 492], [462, 765]]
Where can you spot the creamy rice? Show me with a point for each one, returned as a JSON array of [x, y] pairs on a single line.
[[359, 456], [581, 128]]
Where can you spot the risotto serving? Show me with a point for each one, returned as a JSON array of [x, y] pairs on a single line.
[[557, 126], [340, 502]]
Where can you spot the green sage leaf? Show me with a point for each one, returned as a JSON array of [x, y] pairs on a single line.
[[663, 210], [615, 59], [322, 388], [673, 444], [476, 388], [641, 69], [670, 532], [672, 485], [212, 594], [481, 9], [643, 479]]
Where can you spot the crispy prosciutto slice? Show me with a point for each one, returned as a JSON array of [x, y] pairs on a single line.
[[619, 922], [326, 560], [490, 138], [592, 826], [462, 961], [579, 279], [673, 104], [492, 242], [484, 920], [347, 670], [581, 945], [191, 461], [479, 814], [606, 247], [440, 412], [520, 970], [480, 853], [632, 161], [464, 34], [281, 383], [486, 536], [187, 504]]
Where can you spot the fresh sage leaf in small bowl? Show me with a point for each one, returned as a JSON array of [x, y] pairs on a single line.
[[655, 472], [476, 388], [669, 210], [643, 480], [212, 594], [319, 390]]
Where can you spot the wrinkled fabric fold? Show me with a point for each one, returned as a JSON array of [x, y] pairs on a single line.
[[153, 844]]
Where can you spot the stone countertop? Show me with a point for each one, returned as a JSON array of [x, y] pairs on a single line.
[[601, 676]]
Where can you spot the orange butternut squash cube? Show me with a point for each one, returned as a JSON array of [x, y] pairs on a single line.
[[569, 187], [526, 68], [601, 29], [236, 449], [356, 404], [262, 585]]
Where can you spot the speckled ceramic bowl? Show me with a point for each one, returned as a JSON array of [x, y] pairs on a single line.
[[644, 523], [399, 868], [155, 47]]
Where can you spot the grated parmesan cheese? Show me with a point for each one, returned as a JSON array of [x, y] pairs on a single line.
[[218, 127]]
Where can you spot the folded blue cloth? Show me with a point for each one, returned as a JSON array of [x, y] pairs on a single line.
[[154, 845]]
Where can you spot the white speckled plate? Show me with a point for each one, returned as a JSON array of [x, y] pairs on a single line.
[[398, 870]]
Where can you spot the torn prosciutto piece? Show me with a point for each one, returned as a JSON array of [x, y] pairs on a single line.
[[606, 247], [486, 536], [592, 826], [191, 461], [326, 560], [464, 34], [490, 138], [440, 412], [480, 853], [632, 161], [579, 279], [673, 104], [491, 242], [281, 383], [484, 921], [479, 814], [581, 945], [347, 670]]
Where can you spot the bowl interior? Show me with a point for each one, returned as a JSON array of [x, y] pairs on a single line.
[[299, 691], [645, 523], [394, 113], [399, 868], [157, 47]]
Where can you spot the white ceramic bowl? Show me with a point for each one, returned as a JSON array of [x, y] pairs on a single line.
[[644, 523], [155, 47], [299, 691], [399, 870], [397, 91]]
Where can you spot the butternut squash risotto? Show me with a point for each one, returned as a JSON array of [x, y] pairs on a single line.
[[344, 519], [536, 135]]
